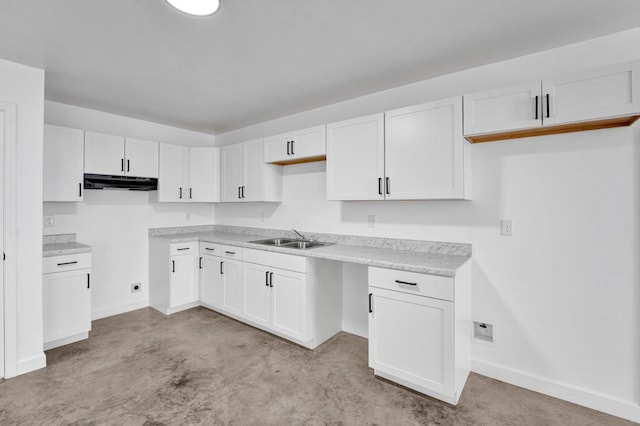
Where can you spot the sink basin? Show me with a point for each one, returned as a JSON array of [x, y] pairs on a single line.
[[289, 243], [274, 241], [304, 244]]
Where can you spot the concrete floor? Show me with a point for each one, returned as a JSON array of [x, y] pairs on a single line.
[[199, 367]]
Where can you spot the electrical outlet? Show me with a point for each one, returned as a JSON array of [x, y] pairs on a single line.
[[372, 221], [136, 287], [48, 221], [506, 227], [483, 332]]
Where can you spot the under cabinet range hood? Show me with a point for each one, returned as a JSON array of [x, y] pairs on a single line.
[[129, 183]]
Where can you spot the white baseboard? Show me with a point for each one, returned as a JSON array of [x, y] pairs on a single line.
[[31, 364], [591, 399], [354, 329], [120, 309]]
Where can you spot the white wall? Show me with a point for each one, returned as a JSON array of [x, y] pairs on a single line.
[[24, 86], [563, 290], [115, 223]]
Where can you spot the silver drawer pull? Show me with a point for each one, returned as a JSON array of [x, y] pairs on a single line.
[[405, 283], [230, 252], [183, 248], [68, 263]]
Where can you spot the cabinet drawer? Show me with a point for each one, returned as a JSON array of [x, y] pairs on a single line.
[[210, 248], [178, 249], [232, 252], [276, 260], [411, 282], [67, 262]]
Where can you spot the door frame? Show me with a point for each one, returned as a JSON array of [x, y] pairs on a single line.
[[8, 321]]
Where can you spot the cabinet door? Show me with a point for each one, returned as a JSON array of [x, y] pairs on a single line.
[[411, 337], [231, 286], [289, 303], [66, 304], [253, 169], [203, 175], [211, 281], [63, 164], [170, 186], [141, 158], [277, 148], [602, 93], [309, 143], [424, 150], [184, 283], [499, 110], [103, 154], [230, 172], [355, 159], [256, 299]]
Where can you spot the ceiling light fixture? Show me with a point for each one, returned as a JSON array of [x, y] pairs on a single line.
[[196, 7]]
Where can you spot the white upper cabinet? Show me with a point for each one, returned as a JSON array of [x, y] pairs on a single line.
[[141, 158], [424, 150], [112, 155], [63, 164], [510, 108], [594, 99], [103, 154], [595, 94], [296, 147], [204, 167], [414, 153], [244, 176], [355, 159], [188, 174]]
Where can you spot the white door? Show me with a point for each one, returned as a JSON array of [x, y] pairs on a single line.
[[66, 304], [256, 299], [355, 159], [277, 148], [309, 143], [184, 283], [424, 150], [252, 169], [203, 175], [231, 286], [63, 164], [170, 187], [289, 303], [230, 172], [142, 158], [602, 93], [411, 337], [103, 154], [211, 281], [2, 344], [508, 108]]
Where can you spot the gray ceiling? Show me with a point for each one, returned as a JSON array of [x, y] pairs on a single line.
[[260, 59]]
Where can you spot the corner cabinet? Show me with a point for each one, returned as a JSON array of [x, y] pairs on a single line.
[[594, 99], [431, 354], [173, 278], [414, 153], [188, 174], [66, 299], [244, 176], [63, 164]]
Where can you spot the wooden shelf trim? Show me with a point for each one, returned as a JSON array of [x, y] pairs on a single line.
[[301, 160]]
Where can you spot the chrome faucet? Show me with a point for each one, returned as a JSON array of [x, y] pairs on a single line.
[[301, 236]]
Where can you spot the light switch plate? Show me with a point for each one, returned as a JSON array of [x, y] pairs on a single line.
[[48, 221]]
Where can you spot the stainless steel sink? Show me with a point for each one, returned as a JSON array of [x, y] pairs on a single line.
[[274, 241], [289, 243]]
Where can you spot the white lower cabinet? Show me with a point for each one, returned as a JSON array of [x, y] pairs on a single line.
[[210, 264], [173, 278], [419, 330], [66, 299], [231, 270]]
